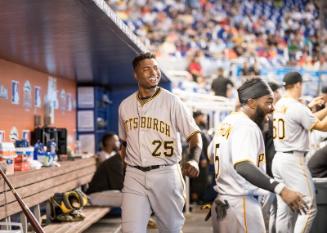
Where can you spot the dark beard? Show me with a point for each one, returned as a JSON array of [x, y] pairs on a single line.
[[259, 117]]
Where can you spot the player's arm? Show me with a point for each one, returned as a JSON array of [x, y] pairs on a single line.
[[316, 102], [321, 124], [122, 134], [123, 149], [256, 177], [191, 167], [310, 120], [321, 114], [186, 125]]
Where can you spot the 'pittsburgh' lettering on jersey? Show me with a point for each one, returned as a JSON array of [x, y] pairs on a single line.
[[149, 123], [152, 128]]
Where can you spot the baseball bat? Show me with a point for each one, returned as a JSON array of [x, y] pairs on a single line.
[[31, 218]]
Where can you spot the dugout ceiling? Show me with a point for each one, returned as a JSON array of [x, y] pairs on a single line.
[[75, 39]]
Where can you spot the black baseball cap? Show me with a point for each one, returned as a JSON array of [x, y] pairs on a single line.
[[274, 86], [292, 78]]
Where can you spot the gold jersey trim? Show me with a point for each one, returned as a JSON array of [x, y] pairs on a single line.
[[302, 166], [144, 101], [189, 137], [244, 215]]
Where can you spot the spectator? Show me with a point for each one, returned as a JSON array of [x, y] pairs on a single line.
[[246, 69], [221, 85], [255, 69], [110, 144], [104, 188], [279, 33], [195, 67]]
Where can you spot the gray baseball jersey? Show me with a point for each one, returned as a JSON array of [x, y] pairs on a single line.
[[151, 128], [237, 139], [292, 122]]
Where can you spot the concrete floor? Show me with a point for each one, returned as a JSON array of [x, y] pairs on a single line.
[[194, 224]]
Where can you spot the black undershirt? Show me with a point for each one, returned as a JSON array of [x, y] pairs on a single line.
[[256, 177]]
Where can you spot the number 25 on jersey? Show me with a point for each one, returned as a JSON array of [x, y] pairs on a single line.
[[163, 147]]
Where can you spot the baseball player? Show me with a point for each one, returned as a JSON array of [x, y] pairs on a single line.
[[292, 122], [150, 123], [239, 156]]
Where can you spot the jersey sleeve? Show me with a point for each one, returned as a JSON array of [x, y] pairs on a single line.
[[304, 116], [184, 121], [245, 145], [121, 127]]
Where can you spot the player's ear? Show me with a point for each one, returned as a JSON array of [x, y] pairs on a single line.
[[135, 76], [252, 103], [298, 85]]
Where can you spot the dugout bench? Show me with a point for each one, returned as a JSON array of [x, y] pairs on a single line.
[[37, 186]]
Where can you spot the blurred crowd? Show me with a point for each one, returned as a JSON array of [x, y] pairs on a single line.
[[279, 32]]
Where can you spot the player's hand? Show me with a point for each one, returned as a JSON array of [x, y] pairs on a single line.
[[191, 169], [294, 200], [316, 101]]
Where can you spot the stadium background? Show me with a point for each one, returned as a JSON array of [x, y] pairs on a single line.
[[87, 43]]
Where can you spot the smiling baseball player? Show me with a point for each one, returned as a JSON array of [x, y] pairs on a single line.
[[238, 152], [150, 122]]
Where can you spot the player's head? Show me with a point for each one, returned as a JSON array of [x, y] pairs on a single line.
[[200, 118], [146, 70], [110, 142], [256, 98], [275, 87], [292, 82]]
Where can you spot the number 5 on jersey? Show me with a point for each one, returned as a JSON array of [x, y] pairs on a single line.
[[216, 160]]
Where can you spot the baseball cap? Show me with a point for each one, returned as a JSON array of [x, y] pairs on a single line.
[[274, 86], [292, 78]]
